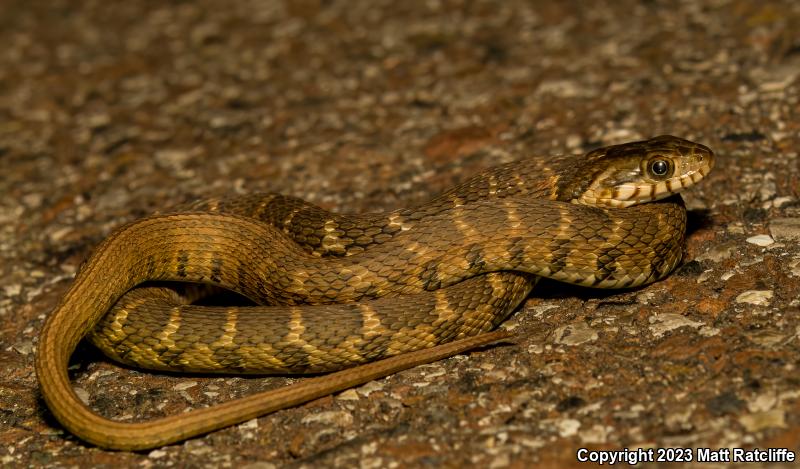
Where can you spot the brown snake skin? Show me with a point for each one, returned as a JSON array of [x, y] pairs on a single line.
[[462, 263]]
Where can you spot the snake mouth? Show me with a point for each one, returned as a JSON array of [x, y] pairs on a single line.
[[627, 195]]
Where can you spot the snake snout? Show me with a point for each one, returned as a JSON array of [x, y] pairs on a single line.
[[704, 158]]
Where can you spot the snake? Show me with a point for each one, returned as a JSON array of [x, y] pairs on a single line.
[[360, 296]]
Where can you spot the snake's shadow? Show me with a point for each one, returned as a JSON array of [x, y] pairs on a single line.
[[697, 220]]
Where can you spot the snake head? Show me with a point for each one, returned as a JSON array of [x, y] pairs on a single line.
[[639, 172]]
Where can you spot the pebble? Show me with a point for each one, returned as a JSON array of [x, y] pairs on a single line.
[[575, 334], [761, 420], [760, 240], [766, 339], [665, 322], [717, 253], [755, 297], [563, 89], [539, 310], [762, 402], [794, 267], [781, 201], [568, 427], [24, 348], [82, 394], [156, 454], [597, 434], [172, 158], [645, 297], [13, 289], [251, 424], [370, 387], [184, 386], [348, 395], [775, 78], [785, 229], [333, 417]]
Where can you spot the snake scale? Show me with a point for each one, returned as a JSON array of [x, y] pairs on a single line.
[[405, 288]]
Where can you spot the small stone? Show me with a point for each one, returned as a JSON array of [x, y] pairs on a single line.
[[535, 348], [369, 449], [573, 141], [369, 388], [785, 229], [707, 331], [371, 463], [575, 334], [736, 227], [665, 322], [645, 298], [761, 420], [762, 402], [500, 460], [24, 348], [794, 267], [597, 434], [184, 386], [172, 158], [82, 394], [755, 297], [539, 310], [251, 424], [621, 135], [705, 275], [348, 395], [680, 418], [198, 449], [562, 88], [775, 78], [333, 417], [568, 427], [727, 275], [766, 338], [156, 454], [97, 121], [33, 200], [59, 234], [433, 371], [717, 253], [760, 240], [752, 261]]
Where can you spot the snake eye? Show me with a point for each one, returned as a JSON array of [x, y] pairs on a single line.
[[659, 167]]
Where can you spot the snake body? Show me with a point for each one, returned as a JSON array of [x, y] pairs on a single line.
[[379, 285]]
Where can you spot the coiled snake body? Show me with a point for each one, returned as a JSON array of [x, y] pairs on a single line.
[[380, 286]]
